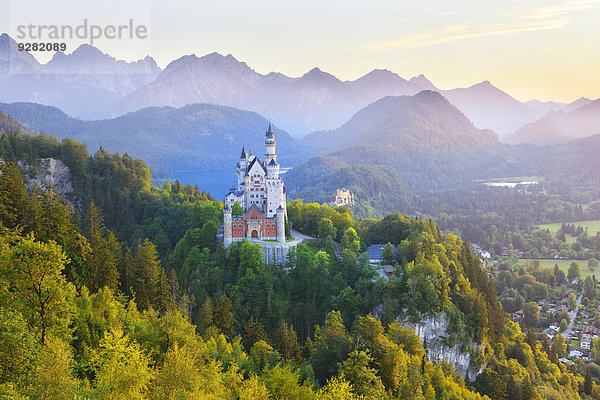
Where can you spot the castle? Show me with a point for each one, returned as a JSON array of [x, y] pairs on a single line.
[[261, 193], [343, 197]]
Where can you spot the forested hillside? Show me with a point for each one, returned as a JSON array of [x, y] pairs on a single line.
[[425, 140], [129, 296], [8, 124], [202, 137]]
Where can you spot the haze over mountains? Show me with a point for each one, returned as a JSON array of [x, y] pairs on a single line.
[[199, 142], [423, 138], [89, 84], [85, 83], [188, 120], [561, 126]]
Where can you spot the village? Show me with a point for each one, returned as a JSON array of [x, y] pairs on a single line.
[[564, 310]]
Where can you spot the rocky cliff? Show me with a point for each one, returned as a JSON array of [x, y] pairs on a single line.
[[433, 331], [49, 172]]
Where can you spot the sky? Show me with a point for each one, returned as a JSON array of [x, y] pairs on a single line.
[[542, 49]]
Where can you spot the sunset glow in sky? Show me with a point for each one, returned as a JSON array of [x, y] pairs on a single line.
[[543, 49]]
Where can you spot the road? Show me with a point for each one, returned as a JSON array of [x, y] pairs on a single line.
[[572, 315]]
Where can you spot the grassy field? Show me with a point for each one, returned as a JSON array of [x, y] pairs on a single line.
[[565, 264], [592, 226]]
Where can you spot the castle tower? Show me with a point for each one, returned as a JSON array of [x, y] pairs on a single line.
[[227, 235], [270, 145], [242, 165], [273, 170], [280, 225]]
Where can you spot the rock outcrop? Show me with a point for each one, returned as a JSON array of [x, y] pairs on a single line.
[[49, 172], [433, 331]]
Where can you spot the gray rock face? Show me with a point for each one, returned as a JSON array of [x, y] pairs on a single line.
[[432, 330], [50, 172]]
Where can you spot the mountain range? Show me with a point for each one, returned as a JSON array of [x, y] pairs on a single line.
[[561, 126], [85, 83], [202, 145], [89, 84], [387, 150], [423, 138]]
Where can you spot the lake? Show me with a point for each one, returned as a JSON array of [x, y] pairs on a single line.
[[509, 184]]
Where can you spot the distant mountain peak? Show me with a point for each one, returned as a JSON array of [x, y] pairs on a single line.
[[429, 95], [422, 82], [317, 75], [580, 102], [9, 51], [215, 56], [487, 85], [382, 72], [314, 71], [88, 50]]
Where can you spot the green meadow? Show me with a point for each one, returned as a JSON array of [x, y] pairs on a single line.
[[565, 264], [591, 226]]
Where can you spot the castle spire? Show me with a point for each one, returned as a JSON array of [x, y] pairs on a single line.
[[244, 154], [269, 134]]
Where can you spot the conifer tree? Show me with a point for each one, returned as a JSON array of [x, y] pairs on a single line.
[[147, 274], [286, 341], [205, 316], [162, 292], [102, 268], [223, 316], [173, 285], [254, 332], [127, 271], [588, 383], [14, 199], [357, 370]]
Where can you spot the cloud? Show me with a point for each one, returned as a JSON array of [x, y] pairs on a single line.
[[555, 10], [520, 20]]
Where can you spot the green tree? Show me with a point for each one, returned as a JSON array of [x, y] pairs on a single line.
[[571, 301], [338, 389], [122, 369], [588, 383], [589, 289], [388, 254], [18, 348], [286, 342], [41, 291], [254, 332], [326, 228], [223, 317], [330, 347], [531, 315], [406, 337], [283, 383], [593, 264], [102, 268], [14, 199], [573, 271], [237, 210], [559, 345], [351, 241], [53, 375], [205, 316], [148, 283], [563, 325], [179, 377], [364, 380]]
